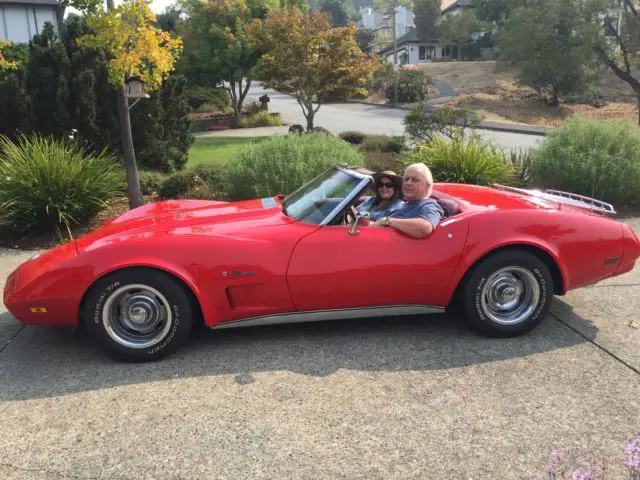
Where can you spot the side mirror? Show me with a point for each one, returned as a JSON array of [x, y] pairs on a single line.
[[354, 225]]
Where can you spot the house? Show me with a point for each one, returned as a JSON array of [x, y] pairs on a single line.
[[20, 20], [412, 50]]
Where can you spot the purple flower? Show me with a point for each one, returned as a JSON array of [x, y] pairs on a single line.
[[578, 475], [556, 463], [632, 453]]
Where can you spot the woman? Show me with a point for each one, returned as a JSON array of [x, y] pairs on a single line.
[[388, 187]]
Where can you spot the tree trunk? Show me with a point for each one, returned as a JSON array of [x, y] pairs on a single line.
[[133, 182], [310, 114], [243, 94], [554, 99], [126, 139], [234, 99]]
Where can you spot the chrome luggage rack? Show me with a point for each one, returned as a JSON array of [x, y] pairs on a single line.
[[564, 198]]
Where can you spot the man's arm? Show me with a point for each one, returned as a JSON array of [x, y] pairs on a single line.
[[415, 227]]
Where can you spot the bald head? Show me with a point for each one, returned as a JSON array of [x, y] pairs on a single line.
[[418, 182]]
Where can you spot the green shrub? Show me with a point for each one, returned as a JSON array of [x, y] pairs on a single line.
[[205, 182], [380, 161], [283, 163], [260, 119], [215, 176], [520, 160], [590, 157], [353, 137], [150, 182], [383, 143], [411, 85], [382, 75], [208, 99], [178, 184], [251, 106], [46, 184], [463, 160]]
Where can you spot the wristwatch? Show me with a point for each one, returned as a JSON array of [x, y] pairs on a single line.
[[386, 222]]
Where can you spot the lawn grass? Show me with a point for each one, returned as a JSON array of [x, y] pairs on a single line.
[[217, 149]]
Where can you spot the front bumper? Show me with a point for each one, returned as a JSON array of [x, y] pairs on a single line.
[[41, 290]]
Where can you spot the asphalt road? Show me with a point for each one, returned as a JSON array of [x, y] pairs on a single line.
[[420, 397], [369, 119]]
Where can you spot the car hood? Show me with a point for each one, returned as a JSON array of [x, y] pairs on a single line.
[[188, 217]]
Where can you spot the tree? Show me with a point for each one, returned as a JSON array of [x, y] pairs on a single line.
[[304, 56], [457, 30], [47, 77], [545, 42], [135, 49], [337, 10], [365, 39], [495, 12], [15, 110], [170, 20], [425, 123], [614, 35], [217, 47], [6, 65], [427, 15]]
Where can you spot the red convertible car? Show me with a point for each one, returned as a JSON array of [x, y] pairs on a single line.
[[141, 281]]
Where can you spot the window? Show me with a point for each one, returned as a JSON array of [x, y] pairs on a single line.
[[319, 200], [422, 53]]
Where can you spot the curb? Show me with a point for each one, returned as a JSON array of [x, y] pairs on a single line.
[[484, 125]]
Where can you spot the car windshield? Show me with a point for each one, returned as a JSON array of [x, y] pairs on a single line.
[[316, 201]]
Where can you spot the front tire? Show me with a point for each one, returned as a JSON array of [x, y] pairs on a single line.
[[139, 315], [508, 294]]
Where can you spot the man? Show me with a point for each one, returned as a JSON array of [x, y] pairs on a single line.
[[420, 215]]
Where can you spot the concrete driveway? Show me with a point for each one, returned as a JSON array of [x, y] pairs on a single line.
[[386, 398]]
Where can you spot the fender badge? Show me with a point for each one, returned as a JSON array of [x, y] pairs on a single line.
[[38, 310], [238, 273], [610, 261]]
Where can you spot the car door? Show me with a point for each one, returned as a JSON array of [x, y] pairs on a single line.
[[331, 269]]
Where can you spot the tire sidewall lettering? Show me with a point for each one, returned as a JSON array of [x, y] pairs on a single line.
[[97, 311], [172, 332], [540, 308], [478, 298]]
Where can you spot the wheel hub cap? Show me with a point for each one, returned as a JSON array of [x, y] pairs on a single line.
[[510, 295], [137, 316]]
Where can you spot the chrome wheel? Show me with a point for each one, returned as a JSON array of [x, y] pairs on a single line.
[[137, 316], [510, 295]]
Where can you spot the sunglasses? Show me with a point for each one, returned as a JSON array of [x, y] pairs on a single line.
[[386, 185]]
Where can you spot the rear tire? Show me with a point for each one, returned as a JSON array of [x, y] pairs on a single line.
[[507, 294], [139, 314]]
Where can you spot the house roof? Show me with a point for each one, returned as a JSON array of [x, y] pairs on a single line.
[[458, 4], [410, 37]]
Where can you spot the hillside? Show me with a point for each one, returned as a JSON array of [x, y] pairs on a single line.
[[493, 93]]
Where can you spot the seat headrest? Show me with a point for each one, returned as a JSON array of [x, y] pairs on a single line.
[[449, 206]]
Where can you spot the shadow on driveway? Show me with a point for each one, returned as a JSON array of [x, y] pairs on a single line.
[[47, 362]]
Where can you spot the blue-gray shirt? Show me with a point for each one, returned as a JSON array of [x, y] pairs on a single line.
[[428, 209], [375, 213]]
